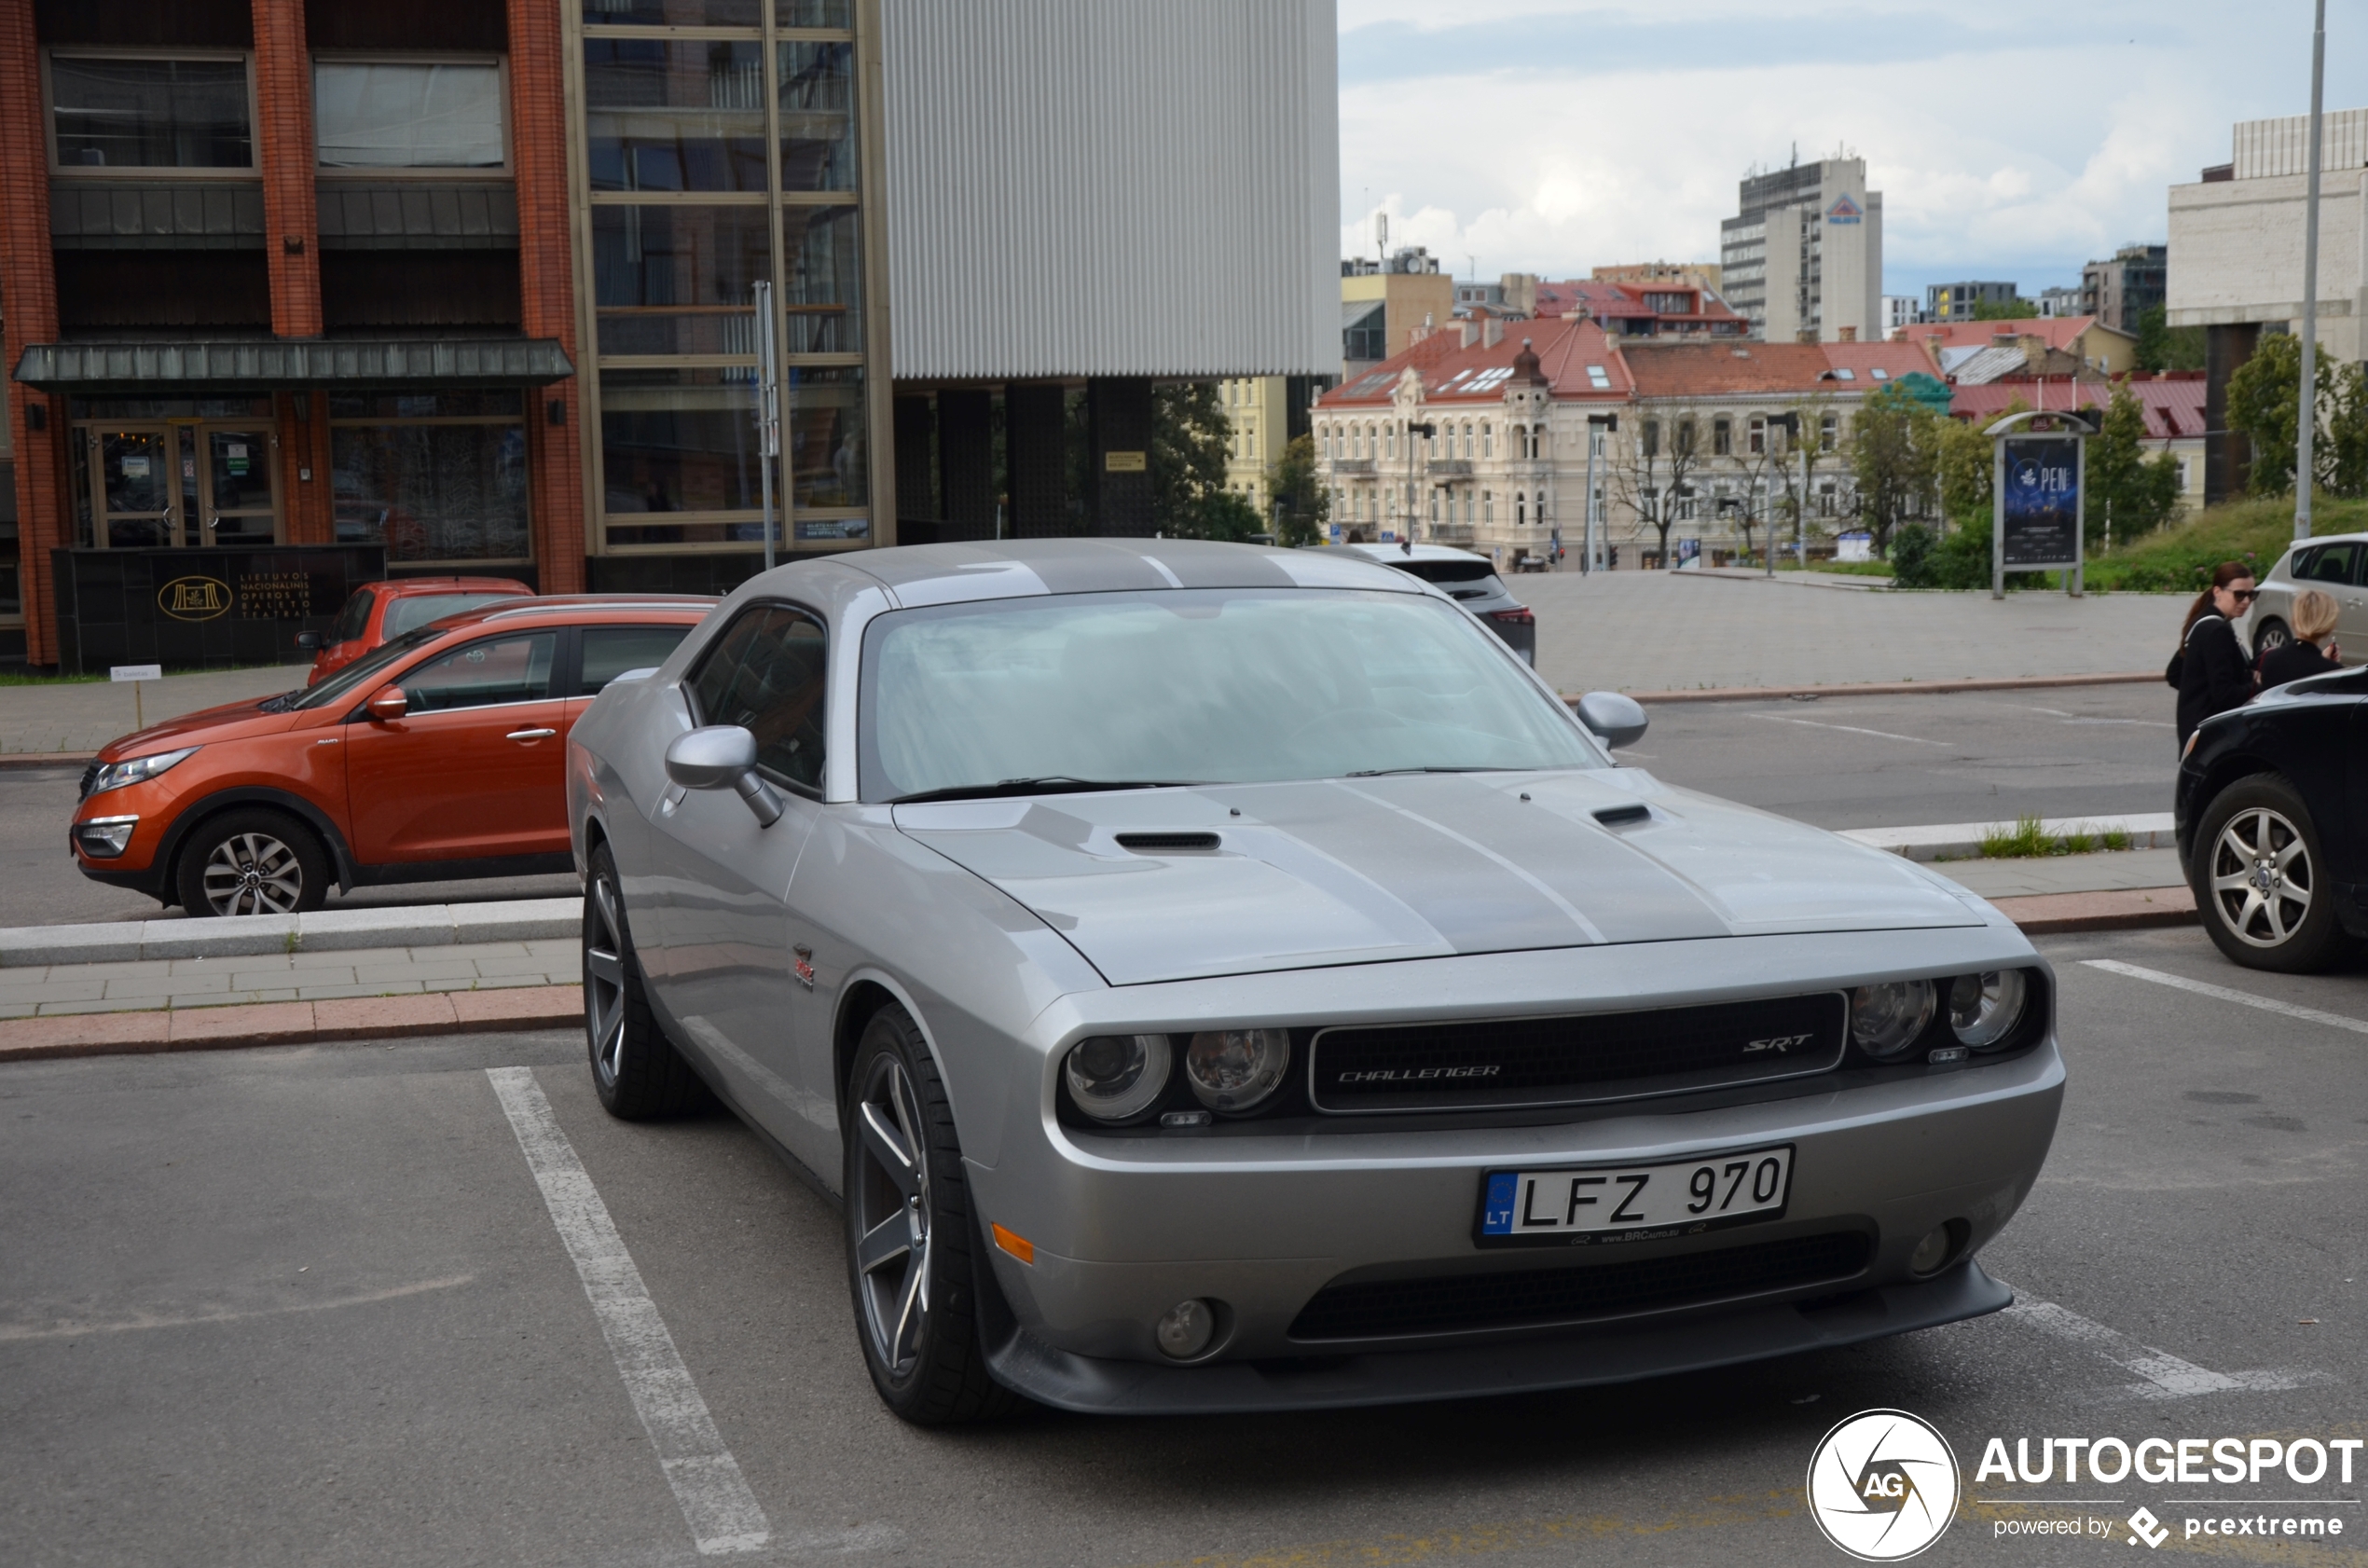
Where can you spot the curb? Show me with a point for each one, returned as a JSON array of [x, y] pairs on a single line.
[[227, 1028], [1963, 841], [327, 930], [2129, 909], [45, 758], [1892, 688]]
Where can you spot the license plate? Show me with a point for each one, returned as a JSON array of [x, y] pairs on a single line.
[[1634, 1203]]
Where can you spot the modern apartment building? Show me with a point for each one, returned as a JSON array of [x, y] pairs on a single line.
[[1958, 302], [1266, 413], [1381, 304], [297, 290], [1804, 254], [2119, 290], [1901, 309]]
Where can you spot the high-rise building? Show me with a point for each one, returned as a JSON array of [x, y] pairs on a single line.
[[1900, 310], [1804, 254], [1957, 302], [2120, 290]]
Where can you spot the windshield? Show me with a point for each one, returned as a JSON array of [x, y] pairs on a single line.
[[407, 614], [1197, 686], [364, 671]]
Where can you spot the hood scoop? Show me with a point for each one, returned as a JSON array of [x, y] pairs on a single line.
[[1166, 844]]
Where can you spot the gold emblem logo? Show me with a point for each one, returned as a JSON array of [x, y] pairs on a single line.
[[194, 598]]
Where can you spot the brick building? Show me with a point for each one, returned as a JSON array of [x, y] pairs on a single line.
[[299, 291]]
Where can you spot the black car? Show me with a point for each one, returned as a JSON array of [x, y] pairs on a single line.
[[2267, 826], [1472, 582]]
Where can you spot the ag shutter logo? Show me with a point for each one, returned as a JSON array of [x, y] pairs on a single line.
[[1882, 1485], [194, 598]]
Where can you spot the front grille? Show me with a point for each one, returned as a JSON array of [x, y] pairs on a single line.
[[1570, 1061], [89, 777], [1460, 1303]]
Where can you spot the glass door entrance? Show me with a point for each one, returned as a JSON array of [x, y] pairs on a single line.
[[182, 483]]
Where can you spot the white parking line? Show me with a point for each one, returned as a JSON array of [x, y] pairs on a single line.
[[714, 1498], [1886, 734], [2221, 993], [2164, 1376]]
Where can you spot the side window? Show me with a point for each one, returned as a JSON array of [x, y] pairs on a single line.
[[353, 617], [500, 669], [766, 675], [2332, 564], [609, 651]]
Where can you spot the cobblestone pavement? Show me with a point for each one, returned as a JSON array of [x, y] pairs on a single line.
[[1656, 631], [144, 984]]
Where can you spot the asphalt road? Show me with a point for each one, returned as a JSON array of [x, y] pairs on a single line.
[[1837, 762], [307, 1306]]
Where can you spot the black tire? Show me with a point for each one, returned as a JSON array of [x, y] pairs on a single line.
[[2271, 633], [252, 860], [917, 1308], [636, 1070], [2260, 875]]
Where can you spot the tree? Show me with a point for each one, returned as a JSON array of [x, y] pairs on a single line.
[[1188, 436], [2005, 311], [2163, 347], [1653, 472], [1306, 504], [1961, 471], [1893, 457], [1759, 469], [1815, 419], [2135, 493], [2265, 405]]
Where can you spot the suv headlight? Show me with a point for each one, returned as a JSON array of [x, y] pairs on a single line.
[[1233, 1069], [1886, 1019], [138, 770], [1983, 1008], [1114, 1077]]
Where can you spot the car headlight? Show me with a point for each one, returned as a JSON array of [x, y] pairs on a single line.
[[138, 770], [103, 838], [1113, 1076], [1233, 1069], [1886, 1019], [1983, 1008]]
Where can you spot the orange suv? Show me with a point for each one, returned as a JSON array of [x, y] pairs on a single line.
[[382, 612], [437, 756]]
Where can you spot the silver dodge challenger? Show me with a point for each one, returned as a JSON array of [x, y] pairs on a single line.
[[1220, 978]]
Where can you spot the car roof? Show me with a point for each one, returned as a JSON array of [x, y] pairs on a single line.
[[585, 607], [918, 574], [406, 587], [1392, 554]]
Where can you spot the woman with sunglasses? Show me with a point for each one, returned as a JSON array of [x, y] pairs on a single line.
[[2210, 670]]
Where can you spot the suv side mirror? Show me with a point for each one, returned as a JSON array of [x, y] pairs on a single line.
[[308, 641], [722, 757], [388, 705], [1616, 719]]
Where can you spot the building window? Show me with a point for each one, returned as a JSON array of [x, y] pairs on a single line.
[[1488, 441], [1650, 437], [676, 280], [674, 116], [1721, 437], [436, 476], [125, 112], [1759, 435], [1829, 430], [407, 115]]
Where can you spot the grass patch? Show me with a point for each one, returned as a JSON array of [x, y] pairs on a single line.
[[2180, 559], [2028, 840]]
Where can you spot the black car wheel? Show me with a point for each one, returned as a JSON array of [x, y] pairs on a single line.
[[2271, 633], [2259, 876], [636, 1070], [253, 861], [911, 1239]]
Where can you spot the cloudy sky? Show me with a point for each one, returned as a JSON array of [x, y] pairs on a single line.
[[2009, 139]]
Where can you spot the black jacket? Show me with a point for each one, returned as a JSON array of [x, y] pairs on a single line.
[[2293, 662], [2215, 675]]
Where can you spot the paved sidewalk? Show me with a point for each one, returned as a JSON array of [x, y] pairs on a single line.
[[84, 715], [140, 985], [2107, 871]]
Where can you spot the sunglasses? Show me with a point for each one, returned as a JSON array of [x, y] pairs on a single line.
[[2242, 593]]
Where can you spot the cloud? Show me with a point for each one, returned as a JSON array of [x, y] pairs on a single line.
[[1533, 136]]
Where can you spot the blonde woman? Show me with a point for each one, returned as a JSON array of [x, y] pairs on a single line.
[[2312, 652]]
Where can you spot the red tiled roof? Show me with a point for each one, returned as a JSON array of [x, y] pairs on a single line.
[[1625, 300], [2056, 331], [1717, 369], [2174, 405], [1452, 372]]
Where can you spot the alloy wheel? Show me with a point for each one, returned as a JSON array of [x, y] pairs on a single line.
[[253, 874], [891, 1201], [2262, 880], [604, 982]]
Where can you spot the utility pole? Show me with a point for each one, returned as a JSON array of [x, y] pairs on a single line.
[[769, 403], [2310, 410], [1597, 426]]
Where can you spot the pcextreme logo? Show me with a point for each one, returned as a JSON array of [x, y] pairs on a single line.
[[1882, 1485]]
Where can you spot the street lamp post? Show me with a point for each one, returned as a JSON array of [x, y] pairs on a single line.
[[1597, 426], [768, 405], [2310, 410], [1414, 485]]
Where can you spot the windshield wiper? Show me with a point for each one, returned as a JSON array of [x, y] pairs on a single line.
[[279, 703], [1385, 772], [1048, 784]]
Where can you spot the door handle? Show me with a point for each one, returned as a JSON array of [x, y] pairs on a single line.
[[531, 734]]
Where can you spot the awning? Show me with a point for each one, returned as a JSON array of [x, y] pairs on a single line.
[[282, 365]]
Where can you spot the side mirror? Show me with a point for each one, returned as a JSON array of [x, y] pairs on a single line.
[[308, 641], [722, 757], [1618, 721], [389, 705]]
